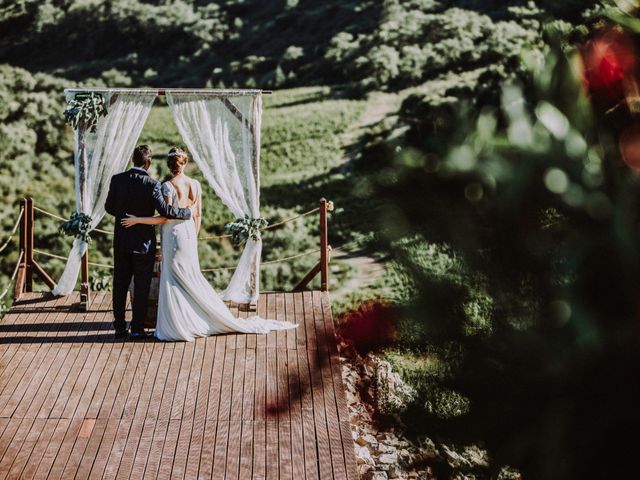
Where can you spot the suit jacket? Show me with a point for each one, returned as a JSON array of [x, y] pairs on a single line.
[[134, 192]]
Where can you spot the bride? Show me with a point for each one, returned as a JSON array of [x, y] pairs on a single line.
[[188, 307]]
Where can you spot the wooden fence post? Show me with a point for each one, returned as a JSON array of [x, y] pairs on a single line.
[[22, 268], [28, 243], [324, 247], [85, 292]]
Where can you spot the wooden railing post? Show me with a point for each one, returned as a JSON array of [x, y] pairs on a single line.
[[22, 268], [28, 243], [85, 293], [324, 247]]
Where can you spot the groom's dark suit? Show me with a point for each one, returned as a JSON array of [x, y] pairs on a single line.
[[134, 192]]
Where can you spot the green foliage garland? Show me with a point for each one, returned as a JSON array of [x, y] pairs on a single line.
[[245, 228], [85, 109], [77, 226]]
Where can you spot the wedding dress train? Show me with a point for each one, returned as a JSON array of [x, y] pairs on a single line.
[[188, 307]]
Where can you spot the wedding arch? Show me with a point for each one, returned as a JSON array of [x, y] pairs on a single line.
[[221, 129]]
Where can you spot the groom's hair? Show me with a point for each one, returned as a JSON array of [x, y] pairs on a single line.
[[141, 155]]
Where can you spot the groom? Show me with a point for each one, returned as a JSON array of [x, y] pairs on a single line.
[[135, 192]]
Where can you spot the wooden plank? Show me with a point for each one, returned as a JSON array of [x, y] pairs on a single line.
[[25, 451], [205, 469], [77, 451], [213, 406], [52, 449], [91, 451], [136, 410], [18, 382], [155, 458], [340, 417], [271, 425], [259, 414], [284, 420], [56, 377], [281, 335], [271, 314], [295, 414], [220, 450], [261, 310], [241, 339], [245, 468], [307, 417], [235, 415], [301, 331], [169, 449], [309, 324], [200, 412], [224, 414], [151, 415], [290, 316], [65, 449], [319, 413], [83, 381], [39, 448], [230, 406], [177, 408], [335, 437], [23, 393], [126, 381], [15, 445], [232, 337], [184, 438]]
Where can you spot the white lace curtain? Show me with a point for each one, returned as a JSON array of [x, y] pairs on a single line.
[[223, 137], [98, 156]]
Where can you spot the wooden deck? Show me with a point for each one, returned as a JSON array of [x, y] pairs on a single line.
[[74, 403]]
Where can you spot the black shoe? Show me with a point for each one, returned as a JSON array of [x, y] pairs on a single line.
[[121, 334], [139, 335]]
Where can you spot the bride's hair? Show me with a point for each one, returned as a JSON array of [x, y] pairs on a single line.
[[176, 159]]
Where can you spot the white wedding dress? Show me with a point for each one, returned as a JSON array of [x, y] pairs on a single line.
[[188, 307]]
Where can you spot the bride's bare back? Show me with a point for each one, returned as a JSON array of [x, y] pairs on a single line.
[[186, 189], [189, 193]]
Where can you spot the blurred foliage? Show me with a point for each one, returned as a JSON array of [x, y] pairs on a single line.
[[527, 219]]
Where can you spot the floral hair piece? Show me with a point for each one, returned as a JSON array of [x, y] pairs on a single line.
[[177, 152]]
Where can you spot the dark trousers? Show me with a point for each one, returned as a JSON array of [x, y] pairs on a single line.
[[140, 267]]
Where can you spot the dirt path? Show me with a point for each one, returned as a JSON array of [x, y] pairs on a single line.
[[366, 269]]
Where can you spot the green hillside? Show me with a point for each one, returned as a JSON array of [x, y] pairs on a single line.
[[302, 143]]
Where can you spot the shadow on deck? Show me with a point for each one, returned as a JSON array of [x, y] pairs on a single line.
[[74, 403]]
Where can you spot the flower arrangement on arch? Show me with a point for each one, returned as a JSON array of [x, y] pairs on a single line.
[[77, 226], [85, 109], [245, 228]]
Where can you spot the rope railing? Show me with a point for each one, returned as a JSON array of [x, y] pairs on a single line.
[[268, 227], [208, 237], [59, 257], [13, 230], [104, 265], [58, 217], [31, 265], [13, 276], [269, 262]]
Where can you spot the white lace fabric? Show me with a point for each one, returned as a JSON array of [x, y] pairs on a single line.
[[223, 137], [105, 153]]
